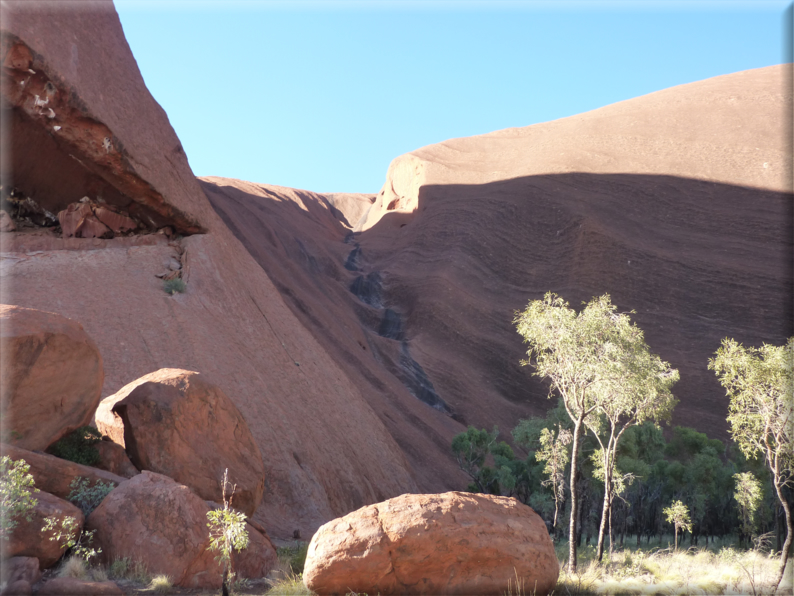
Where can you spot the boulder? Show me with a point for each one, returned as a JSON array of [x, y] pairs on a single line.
[[19, 587], [52, 376], [6, 223], [27, 539], [114, 459], [70, 586], [163, 524], [21, 569], [55, 475], [175, 423], [451, 543]]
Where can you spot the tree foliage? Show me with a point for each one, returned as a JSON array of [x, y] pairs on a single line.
[[227, 532], [678, 515], [748, 496], [16, 494]]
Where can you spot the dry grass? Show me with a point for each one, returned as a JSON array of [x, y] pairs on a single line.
[[161, 584], [284, 581], [668, 572]]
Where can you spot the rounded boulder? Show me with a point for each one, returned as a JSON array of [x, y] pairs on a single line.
[[451, 543], [175, 423], [52, 376]]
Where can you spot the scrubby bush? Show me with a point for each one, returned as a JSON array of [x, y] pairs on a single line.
[[172, 286], [16, 494], [87, 497], [78, 446], [68, 536], [161, 584], [294, 556]]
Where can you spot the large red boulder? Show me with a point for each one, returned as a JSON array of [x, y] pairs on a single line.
[[175, 423], [152, 519], [51, 376], [27, 538], [452, 543], [70, 586], [55, 475]]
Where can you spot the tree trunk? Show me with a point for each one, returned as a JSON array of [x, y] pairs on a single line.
[[784, 555], [610, 531], [577, 431], [602, 528], [676, 538]]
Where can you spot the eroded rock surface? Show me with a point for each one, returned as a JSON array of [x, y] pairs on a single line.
[[163, 524], [452, 543], [71, 586], [27, 538], [55, 475], [177, 424], [52, 376]]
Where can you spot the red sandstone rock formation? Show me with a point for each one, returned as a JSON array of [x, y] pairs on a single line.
[[113, 458], [52, 376], [55, 475], [152, 519], [27, 538], [453, 543], [325, 451], [70, 586], [175, 423]]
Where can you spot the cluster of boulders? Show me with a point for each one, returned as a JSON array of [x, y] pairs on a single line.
[[86, 219], [169, 438]]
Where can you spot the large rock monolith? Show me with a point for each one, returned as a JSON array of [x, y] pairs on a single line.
[[175, 423], [451, 543], [52, 376]]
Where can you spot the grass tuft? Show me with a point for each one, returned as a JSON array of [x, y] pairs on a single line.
[[161, 584], [74, 567]]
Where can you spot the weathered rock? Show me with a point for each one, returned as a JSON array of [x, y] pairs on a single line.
[[19, 587], [27, 539], [260, 556], [114, 459], [6, 223], [117, 223], [177, 424], [71, 218], [91, 227], [55, 475], [21, 568], [52, 376], [452, 543], [70, 586], [152, 519]]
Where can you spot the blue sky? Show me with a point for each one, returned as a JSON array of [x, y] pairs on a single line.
[[323, 95]]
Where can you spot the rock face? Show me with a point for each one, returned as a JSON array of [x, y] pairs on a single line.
[[54, 475], [114, 459], [70, 586], [176, 424], [52, 376], [27, 539], [153, 519], [452, 543], [21, 568]]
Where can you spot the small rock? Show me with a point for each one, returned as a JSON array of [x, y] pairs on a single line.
[[6, 223], [114, 459], [21, 568], [117, 223], [19, 587], [70, 586]]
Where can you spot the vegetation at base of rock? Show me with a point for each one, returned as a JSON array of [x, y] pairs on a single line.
[[759, 383], [294, 556], [87, 497], [160, 584], [227, 531], [66, 533], [16, 494], [126, 568], [174, 286], [599, 364], [78, 446]]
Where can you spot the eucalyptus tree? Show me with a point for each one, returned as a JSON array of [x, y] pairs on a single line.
[[582, 355], [748, 496], [760, 383], [678, 515], [635, 389], [554, 453]]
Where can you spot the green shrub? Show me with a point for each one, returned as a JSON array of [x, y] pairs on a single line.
[[67, 535], [78, 446], [172, 286], [294, 556], [87, 497], [16, 494]]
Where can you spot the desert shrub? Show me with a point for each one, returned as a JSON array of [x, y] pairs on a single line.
[[172, 286], [294, 556], [74, 567], [87, 497], [125, 568], [227, 531], [161, 584], [69, 537], [78, 446], [16, 494]]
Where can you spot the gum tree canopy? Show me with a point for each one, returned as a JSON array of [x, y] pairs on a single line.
[[760, 383], [598, 362]]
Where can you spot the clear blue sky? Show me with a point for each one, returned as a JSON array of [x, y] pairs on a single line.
[[323, 95]]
